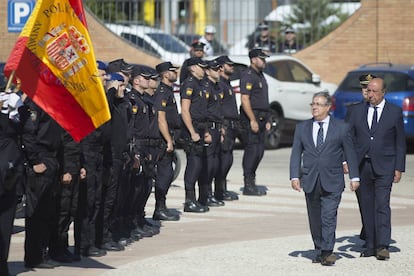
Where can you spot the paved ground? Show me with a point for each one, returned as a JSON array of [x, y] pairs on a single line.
[[252, 236]]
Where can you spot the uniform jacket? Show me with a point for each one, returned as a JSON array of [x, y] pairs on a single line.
[[385, 145], [307, 163]]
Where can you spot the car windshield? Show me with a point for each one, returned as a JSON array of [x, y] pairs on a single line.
[[394, 81], [168, 42]]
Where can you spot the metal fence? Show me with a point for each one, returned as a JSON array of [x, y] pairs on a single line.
[[235, 21]]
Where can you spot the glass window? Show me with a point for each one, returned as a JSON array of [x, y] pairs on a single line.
[[140, 42], [299, 72], [168, 42], [278, 70]]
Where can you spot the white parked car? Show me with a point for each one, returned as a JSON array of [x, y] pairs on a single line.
[[165, 46], [291, 87]]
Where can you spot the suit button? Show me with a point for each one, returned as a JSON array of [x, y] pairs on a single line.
[[372, 138]]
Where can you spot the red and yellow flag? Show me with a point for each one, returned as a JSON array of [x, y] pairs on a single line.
[[55, 62]]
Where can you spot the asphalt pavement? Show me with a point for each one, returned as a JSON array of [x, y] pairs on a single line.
[[266, 235]]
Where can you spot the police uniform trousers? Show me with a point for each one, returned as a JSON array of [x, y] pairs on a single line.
[[40, 211], [322, 209], [67, 205], [210, 166], [8, 202], [165, 175], [93, 163], [194, 164], [375, 192], [110, 187], [254, 149], [225, 159]]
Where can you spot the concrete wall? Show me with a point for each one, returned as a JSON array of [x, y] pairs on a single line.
[[380, 31]]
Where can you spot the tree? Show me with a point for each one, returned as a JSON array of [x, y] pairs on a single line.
[[313, 19]]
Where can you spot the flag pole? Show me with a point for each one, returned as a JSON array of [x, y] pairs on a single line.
[[9, 82]]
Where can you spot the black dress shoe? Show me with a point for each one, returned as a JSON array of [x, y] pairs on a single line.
[[370, 252], [223, 196], [46, 264], [253, 191], [62, 258], [165, 214], [194, 207], [382, 254], [145, 233], [112, 246], [94, 252], [317, 259], [328, 260], [214, 202], [232, 195]]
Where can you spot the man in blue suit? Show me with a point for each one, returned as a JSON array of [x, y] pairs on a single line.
[[380, 145], [319, 147]]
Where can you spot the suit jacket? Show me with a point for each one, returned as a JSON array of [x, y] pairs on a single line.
[[385, 145], [308, 163]]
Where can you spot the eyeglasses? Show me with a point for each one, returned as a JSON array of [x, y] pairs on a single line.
[[318, 104]]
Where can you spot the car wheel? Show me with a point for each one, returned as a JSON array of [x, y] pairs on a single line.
[[274, 135], [176, 164]]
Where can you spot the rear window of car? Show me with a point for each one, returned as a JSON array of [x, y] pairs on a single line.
[[394, 81]]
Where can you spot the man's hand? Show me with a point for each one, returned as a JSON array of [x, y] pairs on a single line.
[[296, 185], [354, 185], [207, 138], [82, 173], [195, 137], [254, 126], [66, 178], [39, 168], [170, 147], [345, 166], [397, 176]]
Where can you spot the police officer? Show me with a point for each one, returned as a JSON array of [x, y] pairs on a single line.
[[144, 134], [168, 121], [230, 125], [254, 117], [11, 175], [197, 50], [214, 120], [117, 76], [193, 112], [41, 139]]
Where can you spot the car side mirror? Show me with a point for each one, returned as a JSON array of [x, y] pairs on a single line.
[[316, 79]]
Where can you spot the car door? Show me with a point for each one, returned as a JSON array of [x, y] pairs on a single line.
[[290, 84]]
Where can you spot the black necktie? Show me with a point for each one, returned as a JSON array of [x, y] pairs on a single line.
[[319, 138], [374, 118]]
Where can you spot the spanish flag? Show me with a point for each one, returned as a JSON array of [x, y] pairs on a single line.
[[54, 60]]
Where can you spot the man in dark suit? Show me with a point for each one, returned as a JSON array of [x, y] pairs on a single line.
[[380, 145], [318, 149]]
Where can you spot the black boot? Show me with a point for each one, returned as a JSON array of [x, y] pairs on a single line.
[[192, 205], [250, 187], [161, 212], [214, 202]]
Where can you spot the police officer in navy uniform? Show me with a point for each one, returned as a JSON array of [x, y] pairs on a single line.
[[142, 133], [11, 176], [194, 116], [230, 125], [168, 121], [254, 117], [213, 134], [197, 50], [41, 139]]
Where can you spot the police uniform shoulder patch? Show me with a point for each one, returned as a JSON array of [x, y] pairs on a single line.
[[189, 91], [249, 86], [134, 109], [221, 95], [207, 95], [163, 103]]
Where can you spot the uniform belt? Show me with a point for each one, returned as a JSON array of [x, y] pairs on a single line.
[[231, 123], [213, 125], [148, 142]]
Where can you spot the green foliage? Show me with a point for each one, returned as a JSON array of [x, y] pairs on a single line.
[[311, 16]]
